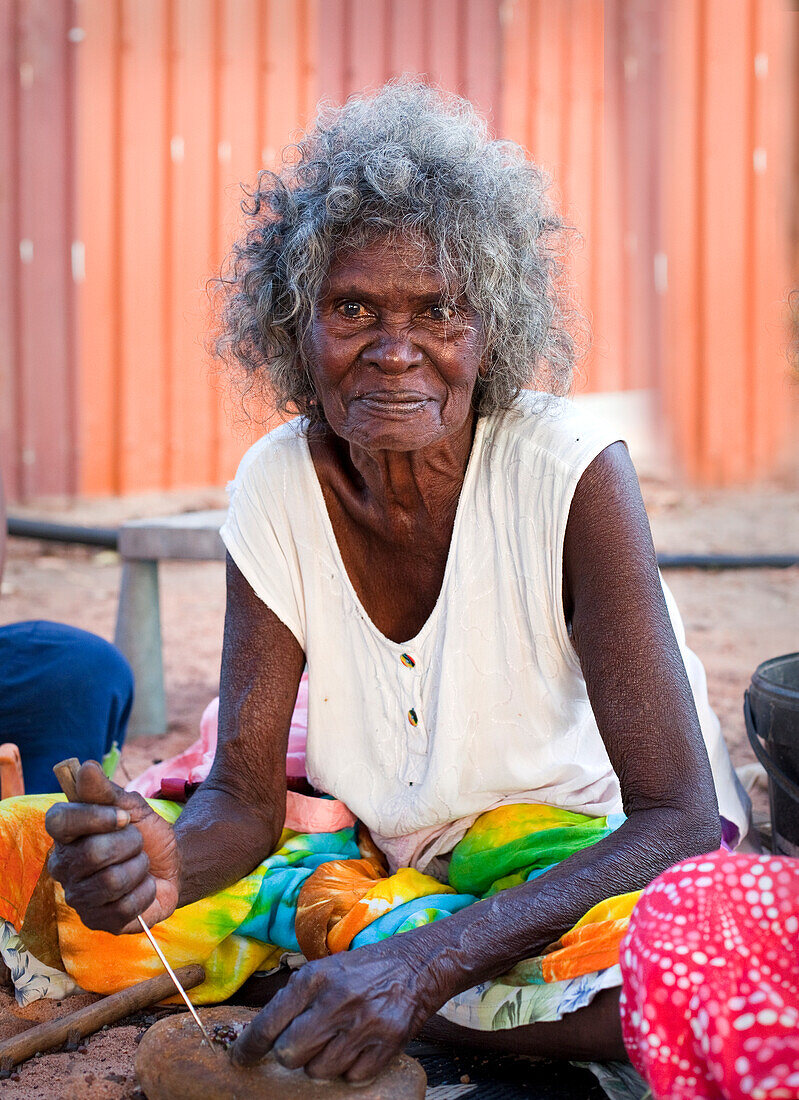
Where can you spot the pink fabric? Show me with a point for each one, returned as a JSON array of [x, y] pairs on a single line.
[[316, 815], [710, 1001], [304, 814], [298, 733], [193, 764]]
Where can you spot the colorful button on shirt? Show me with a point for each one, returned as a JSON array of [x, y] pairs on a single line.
[[407, 660], [414, 721]]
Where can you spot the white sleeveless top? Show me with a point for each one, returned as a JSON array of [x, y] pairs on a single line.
[[487, 703]]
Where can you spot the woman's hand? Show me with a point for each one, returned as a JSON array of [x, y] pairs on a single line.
[[346, 1015], [114, 856]]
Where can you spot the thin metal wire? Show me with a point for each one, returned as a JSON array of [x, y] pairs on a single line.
[[176, 980]]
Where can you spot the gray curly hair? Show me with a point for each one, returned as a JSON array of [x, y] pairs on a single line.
[[408, 160]]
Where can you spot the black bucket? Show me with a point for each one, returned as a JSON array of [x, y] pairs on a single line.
[[771, 710]]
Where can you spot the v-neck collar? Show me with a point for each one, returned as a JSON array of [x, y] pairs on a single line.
[[417, 640]]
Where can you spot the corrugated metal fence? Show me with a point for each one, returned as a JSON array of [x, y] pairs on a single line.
[[38, 354], [728, 203], [126, 127], [178, 102]]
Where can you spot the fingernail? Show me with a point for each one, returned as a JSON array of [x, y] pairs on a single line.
[[123, 819]]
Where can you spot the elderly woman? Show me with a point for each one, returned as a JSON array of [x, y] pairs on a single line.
[[463, 561]]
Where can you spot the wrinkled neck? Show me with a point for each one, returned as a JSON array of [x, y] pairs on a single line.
[[430, 476]]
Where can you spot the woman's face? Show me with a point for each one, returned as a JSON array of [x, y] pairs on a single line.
[[393, 366]]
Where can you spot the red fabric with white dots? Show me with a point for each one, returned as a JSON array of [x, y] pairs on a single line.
[[710, 1002]]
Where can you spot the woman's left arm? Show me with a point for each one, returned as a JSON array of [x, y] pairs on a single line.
[[352, 1012], [633, 668]]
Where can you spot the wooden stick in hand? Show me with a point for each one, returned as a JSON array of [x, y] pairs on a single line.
[[65, 773]]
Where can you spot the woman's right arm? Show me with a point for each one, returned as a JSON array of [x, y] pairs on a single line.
[[116, 858], [235, 818]]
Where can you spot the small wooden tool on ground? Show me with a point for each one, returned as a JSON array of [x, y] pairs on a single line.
[[66, 773], [46, 1036]]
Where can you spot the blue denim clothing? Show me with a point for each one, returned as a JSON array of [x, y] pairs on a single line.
[[63, 692]]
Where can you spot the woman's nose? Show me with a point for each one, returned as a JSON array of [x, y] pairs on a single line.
[[394, 353]]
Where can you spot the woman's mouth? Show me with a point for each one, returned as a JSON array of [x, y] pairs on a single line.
[[393, 404]]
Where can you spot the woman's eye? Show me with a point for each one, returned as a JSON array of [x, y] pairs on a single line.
[[442, 312], [353, 309]]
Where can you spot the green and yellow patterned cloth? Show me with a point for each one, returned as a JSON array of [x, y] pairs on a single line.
[[320, 893]]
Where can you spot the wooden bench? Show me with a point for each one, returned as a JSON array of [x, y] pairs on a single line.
[[143, 543]]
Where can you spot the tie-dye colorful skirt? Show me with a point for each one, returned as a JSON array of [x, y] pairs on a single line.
[[317, 894]]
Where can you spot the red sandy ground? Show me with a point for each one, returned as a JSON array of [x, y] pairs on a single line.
[[734, 620]]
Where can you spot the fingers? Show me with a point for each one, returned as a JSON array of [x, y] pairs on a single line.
[[257, 1039], [109, 885], [99, 856], [302, 1040], [368, 1064], [303, 1026], [334, 1060], [93, 785], [105, 877], [120, 916], [67, 821], [94, 812], [305, 1043], [102, 807], [84, 857]]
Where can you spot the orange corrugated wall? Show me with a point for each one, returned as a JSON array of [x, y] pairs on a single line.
[[38, 398], [180, 101], [129, 200], [730, 399], [581, 78]]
